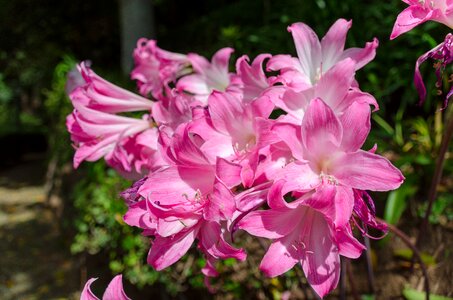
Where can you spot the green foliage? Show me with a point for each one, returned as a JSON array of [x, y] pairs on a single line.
[[412, 143], [96, 198], [442, 210], [396, 203], [34, 37], [12, 119], [408, 255], [57, 106], [411, 294], [100, 228], [5, 91]]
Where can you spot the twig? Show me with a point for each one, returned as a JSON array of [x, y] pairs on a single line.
[[354, 293], [369, 263], [342, 278], [414, 249], [436, 178]]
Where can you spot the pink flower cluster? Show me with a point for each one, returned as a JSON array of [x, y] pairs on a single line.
[[276, 156], [418, 12]]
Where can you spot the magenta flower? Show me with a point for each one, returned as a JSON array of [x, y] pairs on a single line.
[[209, 156], [443, 55], [420, 11], [230, 129], [209, 76], [328, 167], [155, 68], [114, 290], [253, 78], [365, 211], [137, 155], [326, 149], [74, 79], [302, 234], [186, 201], [174, 109], [334, 88], [315, 57], [99, 94], [127, 144], [97, 134]]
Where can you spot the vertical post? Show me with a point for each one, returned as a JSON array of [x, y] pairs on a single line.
[[136, 21]]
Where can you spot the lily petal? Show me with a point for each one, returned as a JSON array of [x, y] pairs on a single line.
[[366, 171]]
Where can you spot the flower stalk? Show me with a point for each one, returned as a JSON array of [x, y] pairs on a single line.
[[446, 138]]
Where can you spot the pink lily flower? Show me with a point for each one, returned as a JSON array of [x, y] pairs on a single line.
[[174, 109], [155, 68], [74, 79], [196, 206], [326, 149], [302, 234], [99, 94], [364, 209], [334, 88], [266, 161], [114, 290], [443, 54], [238, 131], [420, 11], [101, 132], [209, 76], [315, 58], [129, 145], [124, 142], [253, 78], [229, 130], [137, 155]]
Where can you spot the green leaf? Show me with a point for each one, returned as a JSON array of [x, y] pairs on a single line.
[[116, 266], [423, 160], [396, 203], [407, 255], [229, 262], [399, 139], [411, 294], [381, 122]]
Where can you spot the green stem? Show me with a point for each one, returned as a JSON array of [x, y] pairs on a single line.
[[369, 263], [436, 178]]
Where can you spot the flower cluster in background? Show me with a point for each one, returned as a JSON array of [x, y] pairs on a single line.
[[418, 12], [273, 149]]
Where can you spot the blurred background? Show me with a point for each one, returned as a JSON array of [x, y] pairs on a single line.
[[60, 226]]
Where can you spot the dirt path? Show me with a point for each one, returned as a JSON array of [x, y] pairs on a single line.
[[35, 262]]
